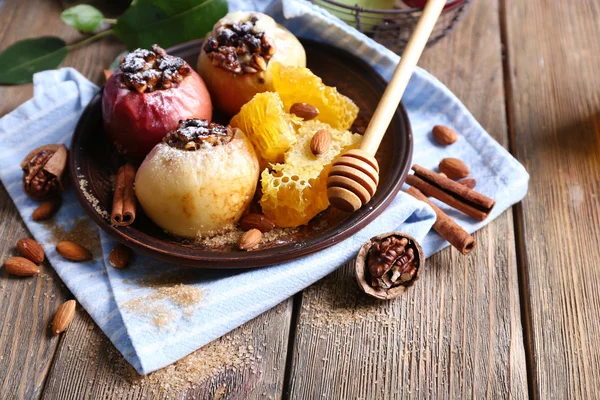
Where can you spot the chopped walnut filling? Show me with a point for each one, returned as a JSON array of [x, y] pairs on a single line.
[[391, 262], [193, 134], [240, 48], [150, 70]]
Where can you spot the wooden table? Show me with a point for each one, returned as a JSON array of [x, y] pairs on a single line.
[[519, 317]]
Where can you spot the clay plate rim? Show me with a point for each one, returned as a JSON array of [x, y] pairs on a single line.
[[259, 258]]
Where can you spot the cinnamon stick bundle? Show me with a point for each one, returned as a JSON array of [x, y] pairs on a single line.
[[446, 227], [452, 193], [124, 201]]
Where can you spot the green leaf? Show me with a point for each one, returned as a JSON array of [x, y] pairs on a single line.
[[167, 22], [20, 61], [84, 18]]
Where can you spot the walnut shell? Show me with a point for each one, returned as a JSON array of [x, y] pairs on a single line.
[[362, 272]]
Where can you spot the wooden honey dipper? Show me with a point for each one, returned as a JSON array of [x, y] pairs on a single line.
[[354, 177]]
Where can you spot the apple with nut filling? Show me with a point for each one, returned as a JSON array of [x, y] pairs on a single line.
[[147, 96], [237, 57], [200, 178]]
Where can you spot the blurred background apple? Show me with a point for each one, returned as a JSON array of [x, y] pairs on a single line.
[[367, 20]]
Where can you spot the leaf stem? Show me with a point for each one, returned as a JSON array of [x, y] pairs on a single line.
[[111, 21], [90, 39]]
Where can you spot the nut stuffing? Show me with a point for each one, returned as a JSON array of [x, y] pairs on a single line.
[[43, 170], [192, 134], [149, 70], [388, 264], [240, 47]]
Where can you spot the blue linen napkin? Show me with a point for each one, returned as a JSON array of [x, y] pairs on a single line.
[[230, 298]]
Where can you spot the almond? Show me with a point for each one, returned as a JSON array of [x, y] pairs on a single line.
[[20, 266], [250, 239], [119, 256], [31, 250], [72, 251], [304, 111], [454, 168], [444, 135], [46, 209], [256, 221], [469, 182], [320, 142], [63, 317]]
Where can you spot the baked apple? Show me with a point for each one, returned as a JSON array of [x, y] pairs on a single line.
[[200, 178], [147, 96], [236, 57]]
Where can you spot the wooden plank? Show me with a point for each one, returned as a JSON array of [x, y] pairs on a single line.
[[86, 363], [553, 56], [246, 363], [28, 305], [457, 333]]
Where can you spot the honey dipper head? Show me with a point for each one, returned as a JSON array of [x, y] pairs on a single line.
[[352, 180]]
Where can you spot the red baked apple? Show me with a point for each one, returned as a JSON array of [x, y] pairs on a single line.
[[237, 56], [146, 98]]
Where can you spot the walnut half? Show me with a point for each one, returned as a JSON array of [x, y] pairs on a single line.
[[388, 264]]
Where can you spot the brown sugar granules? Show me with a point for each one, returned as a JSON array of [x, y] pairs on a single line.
[[236, 351], [336, 300], [230, 235], [80, 231], [166, 303], [83, 183]]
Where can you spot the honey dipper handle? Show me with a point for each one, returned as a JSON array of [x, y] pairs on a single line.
[[393, 93]]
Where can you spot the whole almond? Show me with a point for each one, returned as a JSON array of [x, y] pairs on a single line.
[[63, 317], [46, 209], [31, 250], [304, 111], [256, 221], [72, 251], [20, 266], [469, 182], [454, 168], [250, 239], [119, 256], [320, 142], [444, 135]]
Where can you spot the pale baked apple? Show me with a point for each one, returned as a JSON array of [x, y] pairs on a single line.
[[200, 178], [147, 95], [236, 57]]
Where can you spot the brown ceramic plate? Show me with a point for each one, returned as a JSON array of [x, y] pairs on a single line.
[[94, 160]]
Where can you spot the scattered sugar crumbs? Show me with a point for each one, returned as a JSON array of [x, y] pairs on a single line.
[[169, 299], [233, 352], [336, 300], [229, 235], [83, 184], [80, 230]]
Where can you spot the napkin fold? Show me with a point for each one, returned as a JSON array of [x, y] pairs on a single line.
[[156, 313]]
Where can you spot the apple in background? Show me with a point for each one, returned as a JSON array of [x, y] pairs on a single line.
[[369, 20], [421, 3]]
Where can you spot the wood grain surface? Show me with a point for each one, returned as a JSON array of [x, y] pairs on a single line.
[[457, 333], [83, 360], [517, 318], [554, 98]]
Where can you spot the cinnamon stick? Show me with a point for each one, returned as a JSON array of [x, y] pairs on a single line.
[[450, 192], [124, 201], [446, 227]]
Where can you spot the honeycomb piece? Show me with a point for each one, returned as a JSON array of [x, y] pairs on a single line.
[[296, 190]]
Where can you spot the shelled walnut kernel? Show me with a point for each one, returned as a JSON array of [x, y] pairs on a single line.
[[388, 264]]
